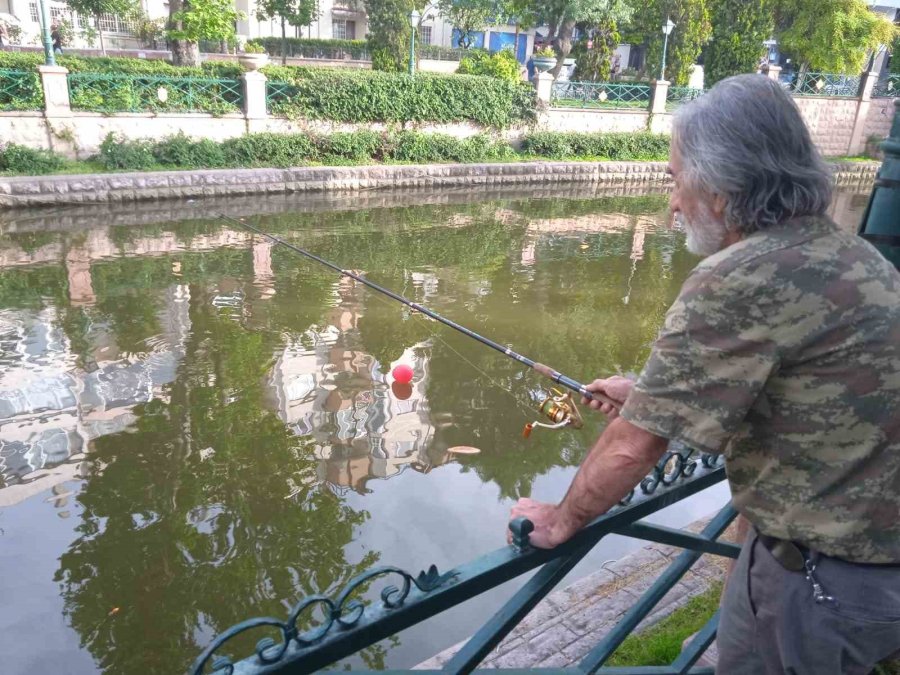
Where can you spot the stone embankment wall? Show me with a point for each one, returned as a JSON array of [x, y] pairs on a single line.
[[117, 187]]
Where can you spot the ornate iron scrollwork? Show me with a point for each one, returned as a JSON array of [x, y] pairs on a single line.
[[341, 610], [678, 462]]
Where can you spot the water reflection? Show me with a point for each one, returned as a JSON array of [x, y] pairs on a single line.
[[212, 418]]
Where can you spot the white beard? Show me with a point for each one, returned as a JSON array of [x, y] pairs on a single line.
[[705, 234]]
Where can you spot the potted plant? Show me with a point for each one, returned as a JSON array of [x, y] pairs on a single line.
[[544, 59], [254, 56]]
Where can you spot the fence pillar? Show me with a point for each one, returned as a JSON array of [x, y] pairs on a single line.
[[774, 72], [543, 83], [658, 97], [254, 95], [56, 91], [857, 138]]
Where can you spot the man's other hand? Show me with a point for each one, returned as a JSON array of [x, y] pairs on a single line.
[[549, 530]]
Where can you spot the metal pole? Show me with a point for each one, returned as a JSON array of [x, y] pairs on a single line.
[[880, 224], [546, 371], [412, 51], [662, 75], [49, 56]]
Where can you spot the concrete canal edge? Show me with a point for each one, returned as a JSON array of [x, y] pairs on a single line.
[[26, 191], [570, 622]]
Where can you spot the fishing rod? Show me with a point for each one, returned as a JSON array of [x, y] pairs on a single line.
[[558, 407]]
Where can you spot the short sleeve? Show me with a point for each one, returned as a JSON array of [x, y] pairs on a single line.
[[708, 366]]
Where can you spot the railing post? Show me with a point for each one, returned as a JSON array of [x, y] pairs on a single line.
[[857, 138], [54, 80], [658, 97], [254, 95], [543, 83], [774, 73]]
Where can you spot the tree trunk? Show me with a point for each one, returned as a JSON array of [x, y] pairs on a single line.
[[100, 35], [563, 45], [801, 75], [283, 43], [184, 52]]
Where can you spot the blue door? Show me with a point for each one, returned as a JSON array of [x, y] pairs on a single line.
[[476, 36]]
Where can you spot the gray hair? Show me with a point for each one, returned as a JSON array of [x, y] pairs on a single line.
[[746, 141]]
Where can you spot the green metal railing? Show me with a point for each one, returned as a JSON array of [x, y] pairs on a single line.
[[600, 95], [887, 88], [827, 84], [20, 90], [278, 95], [345, 625], [678, 96], [109, 93]]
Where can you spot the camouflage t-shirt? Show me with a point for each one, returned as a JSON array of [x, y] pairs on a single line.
[[783, 352]]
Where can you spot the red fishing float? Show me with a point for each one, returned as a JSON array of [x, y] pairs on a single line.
[[402, 374]]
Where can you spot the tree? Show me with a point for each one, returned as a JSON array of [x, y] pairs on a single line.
[[833, 36], [94, 8], [468, 17], [692, 30], [193, 20], [593, 63], [296, 13], [389, 32], [739, 29], [561, 17]]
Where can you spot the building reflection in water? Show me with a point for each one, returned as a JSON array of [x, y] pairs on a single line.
[[341, 397], [51, 408]]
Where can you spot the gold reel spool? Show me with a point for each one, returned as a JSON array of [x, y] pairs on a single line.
[[560, 409]]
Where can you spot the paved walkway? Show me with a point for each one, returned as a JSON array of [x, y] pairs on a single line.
[[563, 628]]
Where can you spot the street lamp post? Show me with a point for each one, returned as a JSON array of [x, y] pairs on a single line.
[[49, 56], [413, 23], [667, 28]]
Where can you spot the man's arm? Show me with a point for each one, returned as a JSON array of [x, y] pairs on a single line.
[[622, 456]]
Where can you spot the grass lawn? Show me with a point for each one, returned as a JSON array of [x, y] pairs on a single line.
[[661, 644]]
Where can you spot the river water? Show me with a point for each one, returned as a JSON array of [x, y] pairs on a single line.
[[197, 427]]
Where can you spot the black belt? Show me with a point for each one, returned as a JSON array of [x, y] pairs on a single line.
[[793, 556]]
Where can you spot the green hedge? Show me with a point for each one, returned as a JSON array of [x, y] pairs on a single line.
[[316, 49], [373, 96], [617, 146], [285, 150], [358, 147]]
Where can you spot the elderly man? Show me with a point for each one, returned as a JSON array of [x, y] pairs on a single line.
[[782, 352]]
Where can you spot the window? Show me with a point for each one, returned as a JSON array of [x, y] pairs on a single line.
[[33, 10], [342, 29], [110, 23], [425, 35]]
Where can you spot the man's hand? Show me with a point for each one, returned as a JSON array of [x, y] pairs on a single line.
[[622, 456], [549, 530], [616, 387]]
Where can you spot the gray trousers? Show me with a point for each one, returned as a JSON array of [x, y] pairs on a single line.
[[770, 624]]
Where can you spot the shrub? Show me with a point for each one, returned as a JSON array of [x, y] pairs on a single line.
[[412, 146], [640, 146], [358, 146], [182, 152], [269, 149], [118, 153], [502, 65], [370, 96], [22, 160], [120, 65]]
